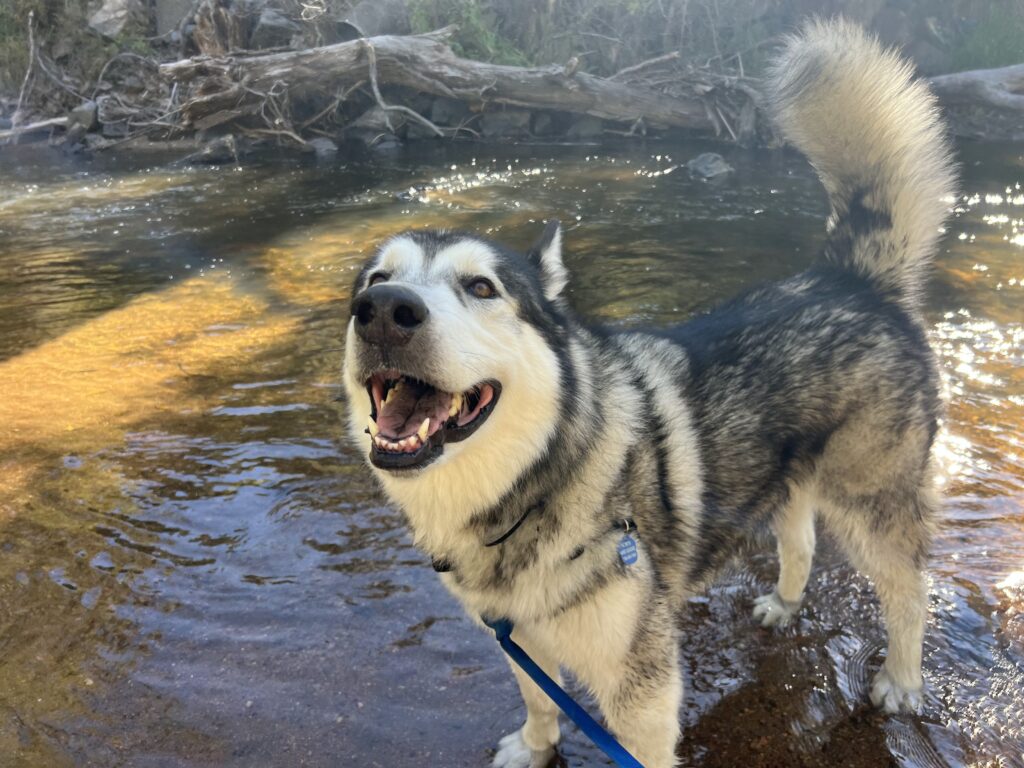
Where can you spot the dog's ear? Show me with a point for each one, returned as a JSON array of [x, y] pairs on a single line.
[[546, 254]]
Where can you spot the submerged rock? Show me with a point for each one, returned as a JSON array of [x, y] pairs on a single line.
[[223, 149], [708, 166]]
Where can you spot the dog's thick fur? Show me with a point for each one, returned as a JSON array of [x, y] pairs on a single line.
[[815, 397]]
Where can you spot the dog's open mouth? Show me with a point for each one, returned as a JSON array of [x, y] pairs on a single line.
[[411, 420]]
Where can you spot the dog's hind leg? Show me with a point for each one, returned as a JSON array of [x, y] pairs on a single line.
[[794, 530], [533, 745], [890, 547]]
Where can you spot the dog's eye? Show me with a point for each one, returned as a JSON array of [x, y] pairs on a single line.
[[377, 277], [481, 288]]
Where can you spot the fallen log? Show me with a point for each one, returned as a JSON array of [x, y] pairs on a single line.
[[424, 63], [1001, 88], [983, 103]]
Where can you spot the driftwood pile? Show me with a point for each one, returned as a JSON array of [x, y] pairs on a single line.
[[385, 89], [269, 94]]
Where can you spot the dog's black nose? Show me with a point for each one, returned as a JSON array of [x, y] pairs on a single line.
[[388, 314]]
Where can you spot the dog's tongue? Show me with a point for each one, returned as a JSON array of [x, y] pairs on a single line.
[[408, 405]]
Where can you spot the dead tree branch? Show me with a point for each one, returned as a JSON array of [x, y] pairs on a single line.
[[18, 113], [12, 134], [1001, 88], [371, 57], [426, 64]]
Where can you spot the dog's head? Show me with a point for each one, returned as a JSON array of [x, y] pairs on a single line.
[[452, 361]]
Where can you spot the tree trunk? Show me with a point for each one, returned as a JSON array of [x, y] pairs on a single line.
[[425, 63], [1000, 88], [984, 103]]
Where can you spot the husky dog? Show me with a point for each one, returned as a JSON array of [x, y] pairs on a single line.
[[516, 439]]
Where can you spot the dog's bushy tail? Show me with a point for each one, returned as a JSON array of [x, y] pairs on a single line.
[[873, 134]]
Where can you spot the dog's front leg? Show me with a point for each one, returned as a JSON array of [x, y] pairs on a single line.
[[640, 698], [533, 745], [640, 688]]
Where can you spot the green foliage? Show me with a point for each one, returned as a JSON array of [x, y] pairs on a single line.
[[133, 44], [996, 41], [61, 26], [607, 34], [479, 35]]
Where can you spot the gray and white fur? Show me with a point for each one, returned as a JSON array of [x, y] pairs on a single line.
[[812, 398]]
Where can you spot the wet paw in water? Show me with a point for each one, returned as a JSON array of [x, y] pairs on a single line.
[[772, 611], [514, 753], [891, 697]]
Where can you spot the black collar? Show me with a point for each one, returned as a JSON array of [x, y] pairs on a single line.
[[529, 510], [444, 565]]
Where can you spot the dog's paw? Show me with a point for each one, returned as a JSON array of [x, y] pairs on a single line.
[[772, 611], [513, 752], [890, 696]]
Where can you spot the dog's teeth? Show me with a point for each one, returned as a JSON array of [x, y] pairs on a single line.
[[380, 407], [421, 433], [456, 405], [392, 391], [374, 429]]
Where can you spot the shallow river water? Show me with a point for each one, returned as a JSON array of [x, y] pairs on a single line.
[[196, 570]]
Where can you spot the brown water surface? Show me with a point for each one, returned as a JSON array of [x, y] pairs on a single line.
[[195, 570]]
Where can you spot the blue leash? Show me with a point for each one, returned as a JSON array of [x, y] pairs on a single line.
[[607, 743]]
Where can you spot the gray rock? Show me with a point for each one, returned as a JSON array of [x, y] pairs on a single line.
[[376, 119], [586, 128], [170, 13], [85, 114], [415, 130], [387, 143], [375, 17], [371, 129], [508, 123], [114, 17], [708, 166], [448, 112], [74, 138], [324, 148], [273, 30], [542, 124], [219, 151]]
